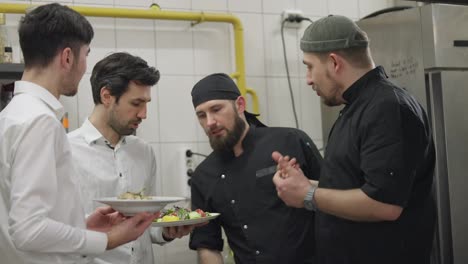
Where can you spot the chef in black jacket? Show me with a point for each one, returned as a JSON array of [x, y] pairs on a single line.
[[373, 201], [236, 181]]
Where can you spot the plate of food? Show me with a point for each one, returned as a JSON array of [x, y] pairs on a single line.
[[178, 216], [130, 203]]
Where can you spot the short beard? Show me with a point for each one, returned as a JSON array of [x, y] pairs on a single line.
[[230, 140], [331, 102], [117, 127], [70, 93]]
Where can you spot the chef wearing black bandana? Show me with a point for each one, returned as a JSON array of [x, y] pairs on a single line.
[[236, 181]]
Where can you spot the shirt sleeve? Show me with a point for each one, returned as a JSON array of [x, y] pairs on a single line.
[[209, 235], [312, 157], [34, 192], [390, 146], [152, 177], [156, 234]]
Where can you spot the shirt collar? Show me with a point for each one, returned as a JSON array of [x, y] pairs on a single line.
[[91, 134], [25, 87], [358, 87]]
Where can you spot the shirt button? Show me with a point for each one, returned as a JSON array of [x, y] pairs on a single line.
[[223, 176], [245, 226], [233, 201], [391, 173], [257, 252]]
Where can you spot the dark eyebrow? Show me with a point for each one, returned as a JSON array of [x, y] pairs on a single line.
[[141, 100]]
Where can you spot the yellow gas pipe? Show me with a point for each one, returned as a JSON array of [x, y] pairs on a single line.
[[156, 13]]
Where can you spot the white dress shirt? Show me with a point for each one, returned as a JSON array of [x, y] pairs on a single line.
[[41, 216], [107, 171]]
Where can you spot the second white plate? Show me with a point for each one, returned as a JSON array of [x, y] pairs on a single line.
[[187, 222]]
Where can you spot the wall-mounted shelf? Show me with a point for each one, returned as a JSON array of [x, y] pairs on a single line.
[[11, 71]]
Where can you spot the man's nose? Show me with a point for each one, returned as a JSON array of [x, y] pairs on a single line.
[[142, 113], [210, 120]]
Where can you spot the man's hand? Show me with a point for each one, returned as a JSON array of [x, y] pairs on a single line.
[[129, 229], [291, 184], [103, 219], [173, 232]]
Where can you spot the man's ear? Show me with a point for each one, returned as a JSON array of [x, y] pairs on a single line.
[[66, 58], [335, 63], [106, 97], [240, 104]]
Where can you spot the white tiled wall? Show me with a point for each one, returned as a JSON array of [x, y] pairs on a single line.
[[184, 54]]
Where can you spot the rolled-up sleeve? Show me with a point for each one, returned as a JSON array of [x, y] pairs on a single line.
[[209, 235], [387, 175]]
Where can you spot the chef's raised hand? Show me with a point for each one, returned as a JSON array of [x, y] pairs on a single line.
[[291, 184]]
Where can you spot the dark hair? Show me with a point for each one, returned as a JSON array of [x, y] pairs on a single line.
[[47, 29], [115, 72]]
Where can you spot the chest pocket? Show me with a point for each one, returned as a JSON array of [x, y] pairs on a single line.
[[264, 181]]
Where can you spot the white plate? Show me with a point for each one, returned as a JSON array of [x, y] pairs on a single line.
[[186, 222], [132, 207]]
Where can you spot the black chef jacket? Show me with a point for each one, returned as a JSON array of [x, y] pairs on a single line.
[[259, 227], [381, 143]]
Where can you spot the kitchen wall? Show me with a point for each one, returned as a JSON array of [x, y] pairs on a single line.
[[184, 54]]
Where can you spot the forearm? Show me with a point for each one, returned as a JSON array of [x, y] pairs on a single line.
[[49, 236], [354, 205], [209, 256], [314, 183]]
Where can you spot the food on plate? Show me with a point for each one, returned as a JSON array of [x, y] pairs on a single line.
[[134, 196], [178, 213]]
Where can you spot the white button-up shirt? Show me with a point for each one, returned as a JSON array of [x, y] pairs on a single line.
[[41, 216], [107, 171]]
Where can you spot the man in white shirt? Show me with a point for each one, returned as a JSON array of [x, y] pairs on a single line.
[[41, 215], [112, 161]]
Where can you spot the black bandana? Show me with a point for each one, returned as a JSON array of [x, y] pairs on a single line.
[[220, 86]]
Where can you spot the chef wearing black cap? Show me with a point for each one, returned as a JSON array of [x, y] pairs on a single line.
[[374, 199], [236, 181]]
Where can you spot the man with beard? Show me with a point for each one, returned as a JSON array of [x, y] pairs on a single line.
[[373, 200], [109, 159], [236, 181], [41, 215]]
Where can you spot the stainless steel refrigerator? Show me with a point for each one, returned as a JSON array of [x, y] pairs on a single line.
[[425, 50]]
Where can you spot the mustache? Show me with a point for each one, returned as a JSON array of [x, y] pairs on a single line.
[[213, 129]]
